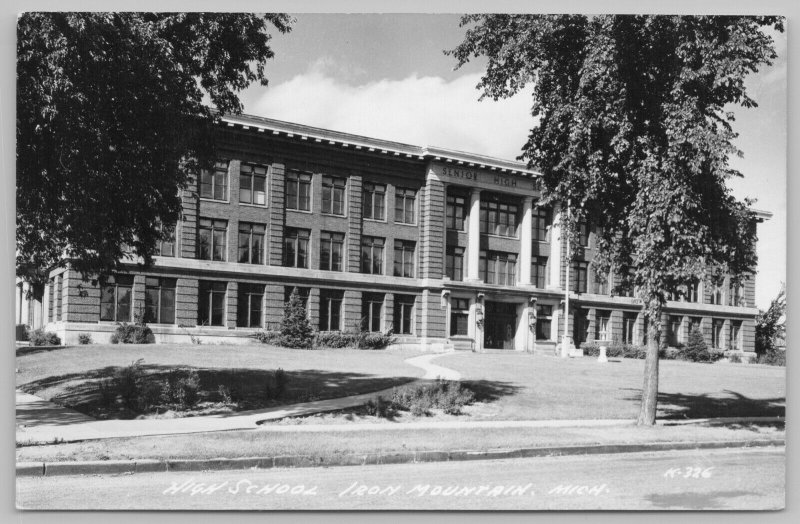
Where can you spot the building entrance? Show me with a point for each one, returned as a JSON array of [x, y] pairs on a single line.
[[500, 325]]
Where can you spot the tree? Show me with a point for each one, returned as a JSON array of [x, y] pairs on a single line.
[[113, 117], [770, 324], [296, 331], [634, 129]]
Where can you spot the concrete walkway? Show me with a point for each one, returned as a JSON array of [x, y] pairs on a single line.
[[39, 420]]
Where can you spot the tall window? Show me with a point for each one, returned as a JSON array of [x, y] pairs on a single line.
[[579, 271], [404, 258], [544, 320], [693, 292], [374, 206], [333, 195], [736, 295], [542, 220], [404, 200], [675, 335], [298, 191], [717, 295], [602, 326], [694, 324], [736, 329], [60, 295], [580, 330], [601, 283], [214, 183], [331, 246], [628, 327], [253, 184], [330, 310], [459, 316], [498, 268], [371, 309], [454, 263], [115, 299], [211, 303], [456, 210], [372, 255], [583, 233], [250, 298], [159, 300], [295, 247], [717, 326], [404, 314], [212, 233], [166, 246], [499, 217], [538, 271], [251, 243]]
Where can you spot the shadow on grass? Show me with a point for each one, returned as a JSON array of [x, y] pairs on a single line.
[[250, 388], [727, 404]]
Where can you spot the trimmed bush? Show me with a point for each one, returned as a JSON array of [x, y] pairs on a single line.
[[352, 339], [296, 330], [40, 337], [773, 357], [84, 338], [132, 334], [448, 395], [696, 349], [181, 389], [269, 337]]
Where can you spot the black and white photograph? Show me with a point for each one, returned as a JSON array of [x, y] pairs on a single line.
[[400, 261]]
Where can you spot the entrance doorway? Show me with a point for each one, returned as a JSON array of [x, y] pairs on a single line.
[[500, 325]]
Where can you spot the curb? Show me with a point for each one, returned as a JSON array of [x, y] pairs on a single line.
[[117, 467]]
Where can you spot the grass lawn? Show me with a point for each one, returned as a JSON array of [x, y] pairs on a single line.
[[325, 445], [70, 376], [538, 387]]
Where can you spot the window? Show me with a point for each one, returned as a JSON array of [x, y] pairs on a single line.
[[159, 300], [542, 220], [583, 233], [717, 326], [295, 247], [250, 298], [454, 263], [404, 258], [736, 295], [372, 255], [253, 184], [499, 217], [115, 299], [675, 335], [374, 207], [580, 331], [736, 329], [212, 235], [371, 309], [404, 206], [166, 246], [544, 319], [602, 326], [333, 195], [628, 327], [717, 295], [330, 310], [693, 292], [459, 316], [404, 314], [331, 246], [498, 268], [601, 284], [694, 324], [456, 210], [579, 271], [538, 271], [214, 184], [251, 243], [298, 191], [211, 303], [60, 296]]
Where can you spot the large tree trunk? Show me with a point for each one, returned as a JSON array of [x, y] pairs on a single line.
[[647, 412]]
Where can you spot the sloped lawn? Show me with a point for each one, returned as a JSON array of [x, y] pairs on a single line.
[[231, 378]]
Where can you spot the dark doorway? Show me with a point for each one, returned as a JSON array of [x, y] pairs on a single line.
[[500, 325]]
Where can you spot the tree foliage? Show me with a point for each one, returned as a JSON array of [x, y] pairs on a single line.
[[114, 113], [296, 330], [634, 130], [770, 324]]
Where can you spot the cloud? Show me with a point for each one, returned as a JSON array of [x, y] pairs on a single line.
[[416, 110]]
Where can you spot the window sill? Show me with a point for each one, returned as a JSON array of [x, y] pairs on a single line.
[[376, 220], [206, 199], [492, 235], [260, 206], [306, 211], [334, 215], [410, 224]]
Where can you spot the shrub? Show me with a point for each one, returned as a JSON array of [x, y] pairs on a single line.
[[139, 333], [773, 357], [181, 388], [447, 395], [128, 383], [84, 338], [23, 332], [336, 339], [40, 337], [696, 349], [296, 330], [376, 340], [269, 337], [379, 407], [224, 394], [735, 358]]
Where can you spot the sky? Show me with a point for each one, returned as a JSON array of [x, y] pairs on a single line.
[[386, 76]]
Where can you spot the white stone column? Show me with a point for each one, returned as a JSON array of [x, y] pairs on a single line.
[[525, 239], [474, 236], [555, 249]]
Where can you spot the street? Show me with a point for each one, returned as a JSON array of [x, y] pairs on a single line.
[[735, 479]]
